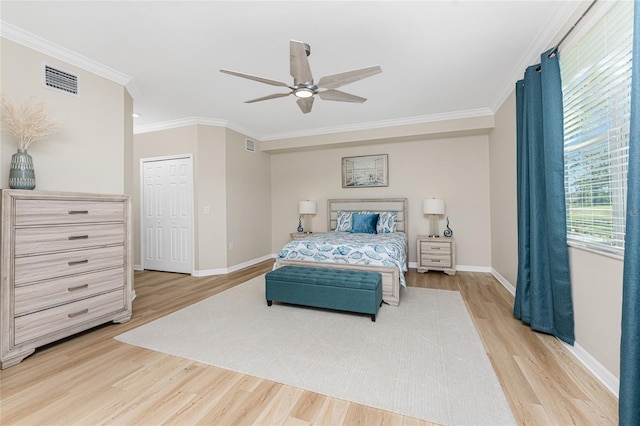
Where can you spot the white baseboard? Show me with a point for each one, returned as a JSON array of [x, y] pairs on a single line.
[[605, 377], [221, 271], [502, 280], [467, 268], [610, 381]]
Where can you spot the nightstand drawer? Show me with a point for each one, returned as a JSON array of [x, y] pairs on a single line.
[[436, 261], [435, 247]]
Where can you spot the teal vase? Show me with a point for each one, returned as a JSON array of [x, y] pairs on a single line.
[[21, 173]]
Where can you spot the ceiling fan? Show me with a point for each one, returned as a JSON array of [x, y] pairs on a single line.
[[303, 86]]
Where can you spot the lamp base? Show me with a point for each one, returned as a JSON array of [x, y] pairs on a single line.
[[434, 227], [307, 223]]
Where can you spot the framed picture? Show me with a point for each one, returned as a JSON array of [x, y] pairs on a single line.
[[365, 171]]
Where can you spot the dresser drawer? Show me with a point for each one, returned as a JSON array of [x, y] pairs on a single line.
[[63, 238], [32, 326], [435, 247], [46, 266], [36, 297], [435, 261], [52, 212]]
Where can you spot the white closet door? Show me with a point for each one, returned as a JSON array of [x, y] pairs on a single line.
[[167, 216]]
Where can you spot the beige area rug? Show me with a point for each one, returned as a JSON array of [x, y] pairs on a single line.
[[423, 359]]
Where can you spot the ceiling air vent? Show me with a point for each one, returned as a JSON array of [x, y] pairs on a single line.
[[249, 145], [60, 80]]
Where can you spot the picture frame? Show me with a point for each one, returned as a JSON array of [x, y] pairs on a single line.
[[365, 171]]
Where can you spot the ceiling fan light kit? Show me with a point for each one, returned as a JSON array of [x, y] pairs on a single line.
[[305, 91]]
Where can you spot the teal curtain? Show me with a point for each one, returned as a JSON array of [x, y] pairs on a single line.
[[629, 397], [543, 289]]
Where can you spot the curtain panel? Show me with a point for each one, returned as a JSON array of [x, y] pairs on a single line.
[[629, 395], [543, 288]]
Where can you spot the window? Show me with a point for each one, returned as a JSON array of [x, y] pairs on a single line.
[[596, 86]]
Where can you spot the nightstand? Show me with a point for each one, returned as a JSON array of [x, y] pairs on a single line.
[[299, 235], [437, 254]]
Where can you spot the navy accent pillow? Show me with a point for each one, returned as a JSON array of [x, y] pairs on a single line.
[[364, 223]]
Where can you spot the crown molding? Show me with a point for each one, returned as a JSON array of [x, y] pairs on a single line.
[[180, 122], [455, 115], [25, 38], [192, 121]]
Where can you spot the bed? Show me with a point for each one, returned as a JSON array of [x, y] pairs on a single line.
[[385, 252]]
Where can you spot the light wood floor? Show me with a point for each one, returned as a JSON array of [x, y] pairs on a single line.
[[93, 379]]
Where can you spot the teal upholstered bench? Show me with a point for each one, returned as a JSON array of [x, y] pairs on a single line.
[[344, 290]]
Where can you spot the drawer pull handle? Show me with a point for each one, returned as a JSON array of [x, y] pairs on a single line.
[[78, 237], [435, 260], [436, 248], [77, 262], [78, 211], [78, 287], [75, 314]]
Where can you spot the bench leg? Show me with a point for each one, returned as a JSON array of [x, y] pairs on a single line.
[[373, 317], [269, 302]]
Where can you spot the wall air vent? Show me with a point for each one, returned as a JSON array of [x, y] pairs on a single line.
[[249, 145], [60, 80]]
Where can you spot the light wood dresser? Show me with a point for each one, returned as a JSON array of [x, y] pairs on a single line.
[[66, 267], [436, 253]]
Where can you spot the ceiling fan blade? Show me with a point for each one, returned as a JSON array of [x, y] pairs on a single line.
[[336, 95], [256, 78], [305, 104], [266, 98], [334, 81], [299, 70]]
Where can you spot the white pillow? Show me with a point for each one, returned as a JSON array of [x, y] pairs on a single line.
[[343, 223], [387, 222]]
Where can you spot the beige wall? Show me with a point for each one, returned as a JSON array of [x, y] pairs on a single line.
[[596, 283], [232, 221], [502, 164], [596, 280], [128, 143], [248, 201], [456, 169], [88, 154], [210, 187]]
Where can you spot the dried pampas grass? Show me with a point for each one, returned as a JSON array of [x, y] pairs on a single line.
[[28, 122]]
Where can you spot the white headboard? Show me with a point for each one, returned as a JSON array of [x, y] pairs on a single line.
[[371, 204]]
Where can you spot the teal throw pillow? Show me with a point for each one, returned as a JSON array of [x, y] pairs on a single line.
[[364, 223]]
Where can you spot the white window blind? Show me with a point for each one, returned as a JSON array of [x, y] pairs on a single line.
[[596, 80]]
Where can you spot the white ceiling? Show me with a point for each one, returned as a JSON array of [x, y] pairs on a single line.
[[440, 59]]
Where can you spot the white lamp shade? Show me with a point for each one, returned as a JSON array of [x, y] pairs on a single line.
[[307, 207], [433, 206]]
